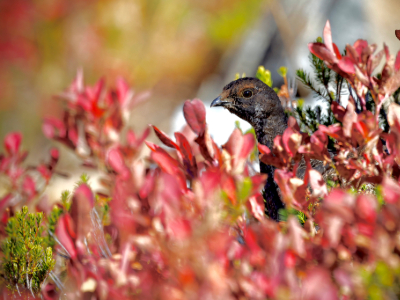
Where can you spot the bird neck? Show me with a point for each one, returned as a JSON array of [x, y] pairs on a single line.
[[268, 128]]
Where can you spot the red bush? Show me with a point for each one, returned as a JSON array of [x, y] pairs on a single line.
[[189, 223]]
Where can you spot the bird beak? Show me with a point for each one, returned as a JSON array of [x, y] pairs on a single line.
[[217, 102]]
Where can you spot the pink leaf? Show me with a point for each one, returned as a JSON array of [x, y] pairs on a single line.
[[257, 207], [349, 118], [397, 62], [116, 161], [346, 65], [29, 186], [366, 207], [318, 285], [391, 190], [81, 208], [322, 52], [12, 142], [195, 115], [124, 93], [55, 154], [247, 146], [359, 46], [328, 36], [393, 115], [179, 229], [64, 235], [317, 184], [297, 235], [144, 136]]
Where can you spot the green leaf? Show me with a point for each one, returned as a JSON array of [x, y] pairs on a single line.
[[264, 75], [282, 71]]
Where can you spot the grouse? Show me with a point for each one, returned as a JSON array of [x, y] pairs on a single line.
[[255, 102]]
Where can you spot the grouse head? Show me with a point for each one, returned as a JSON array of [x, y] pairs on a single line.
[[255, 102]]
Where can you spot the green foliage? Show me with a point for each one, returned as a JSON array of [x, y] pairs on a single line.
[[264, 75], [382, 281], [27, 261], [282, 71], [83, 179], [285, 213]]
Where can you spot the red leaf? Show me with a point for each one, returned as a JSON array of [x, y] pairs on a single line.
[[228, 185], [165, 161], [186, 151], [164, 138], [291, 141], [12, 142], [195, 115], [338, 111], [206, 145], [397, 33], [263, 149], [336, 50]]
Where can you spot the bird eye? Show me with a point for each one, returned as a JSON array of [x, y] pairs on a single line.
[[247, 93]]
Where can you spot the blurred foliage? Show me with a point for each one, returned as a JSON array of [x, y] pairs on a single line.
[[43, 43]]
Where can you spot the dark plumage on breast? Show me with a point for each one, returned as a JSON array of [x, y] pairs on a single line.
[[255, 102]]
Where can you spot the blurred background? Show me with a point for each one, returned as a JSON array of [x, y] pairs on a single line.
[[177, 49]]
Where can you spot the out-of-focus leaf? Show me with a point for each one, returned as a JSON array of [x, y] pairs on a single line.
[[64, 235], [328, 36], [195, 115], [322, 52], [318, 285], [317, 184], [12, 142], [164, 138], [391, 190]]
